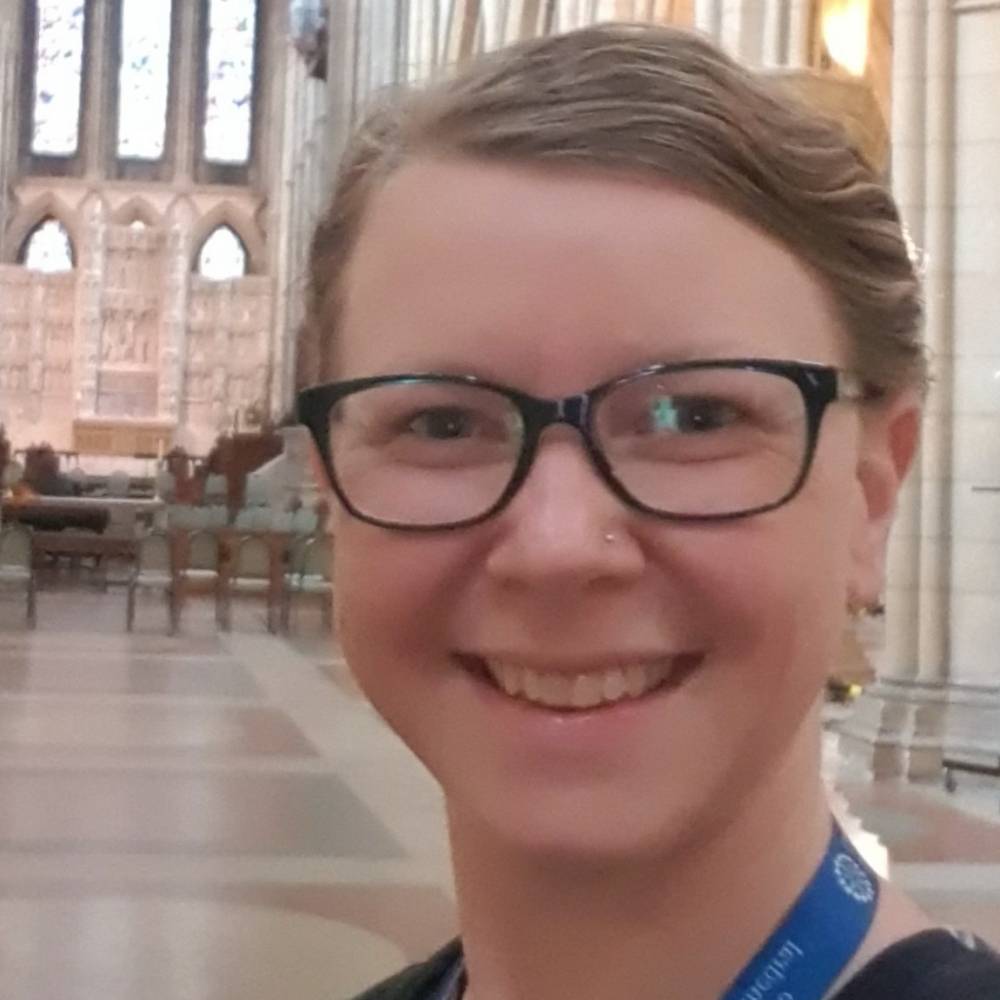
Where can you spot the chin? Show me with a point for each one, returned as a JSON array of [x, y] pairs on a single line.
[[581, 827]]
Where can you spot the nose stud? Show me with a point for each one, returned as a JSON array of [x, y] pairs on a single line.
[[609, 537]]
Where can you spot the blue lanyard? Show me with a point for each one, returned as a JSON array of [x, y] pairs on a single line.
[[819, 935], [812, 945]]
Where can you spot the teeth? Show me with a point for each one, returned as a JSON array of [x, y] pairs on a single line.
[[614, 685], [579, 690], [509, 678], [588, 690], [635, 681], [531, 686]]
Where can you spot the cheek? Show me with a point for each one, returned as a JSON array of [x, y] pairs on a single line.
[[387, 605], [775, 588]]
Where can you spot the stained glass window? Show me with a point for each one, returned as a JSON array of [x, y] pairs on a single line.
[[229, 94], [48, 248], [223, 256], [58, 77], [143, 78]]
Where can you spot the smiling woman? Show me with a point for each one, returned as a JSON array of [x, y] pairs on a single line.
[[627, 378]]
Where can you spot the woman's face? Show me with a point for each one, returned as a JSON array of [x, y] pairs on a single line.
[[553, 281]]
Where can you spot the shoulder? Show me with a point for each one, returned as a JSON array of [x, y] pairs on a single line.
[[933, 965], [416, 982]]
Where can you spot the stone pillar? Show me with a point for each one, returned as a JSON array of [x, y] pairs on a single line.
[[938, 686], [36, 350], [800, 25], [285, 233], [774, 34], [785, 30], [89, 303], [973, 721], [184, 109], [99, 82], [708, 17], [881, 728], [10, 79], [174, 310], [753, 31]]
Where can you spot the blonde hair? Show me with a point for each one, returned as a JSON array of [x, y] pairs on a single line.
[[658, 103]]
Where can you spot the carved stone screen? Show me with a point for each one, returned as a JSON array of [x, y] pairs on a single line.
[[134, 270], [36, 351], [227, 367]]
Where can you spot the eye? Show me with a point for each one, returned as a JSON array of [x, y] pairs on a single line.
[[691, 414], [443, 423]]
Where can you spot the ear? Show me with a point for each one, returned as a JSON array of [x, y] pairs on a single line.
[[890, 432]]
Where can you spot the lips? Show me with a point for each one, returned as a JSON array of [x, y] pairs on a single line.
[[583, 690]]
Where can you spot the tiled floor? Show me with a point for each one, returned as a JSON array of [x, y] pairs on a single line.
[[208, 817]]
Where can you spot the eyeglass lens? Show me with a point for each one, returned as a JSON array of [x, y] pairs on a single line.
[[694, 442]]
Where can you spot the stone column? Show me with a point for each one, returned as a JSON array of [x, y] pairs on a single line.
[[183, 109], [36, 349], [938, 686], [10, 47], [174, 310], [89, 304], [754, 31], [774, 34], [708, 17], [878, 733], [800, 22], [286, 232], [95, 91], [973, 718]]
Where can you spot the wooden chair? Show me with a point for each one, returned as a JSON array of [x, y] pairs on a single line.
[[199, 568], [12, 474], [165, 485], [215, 489], [17, 565], [305, 521], [309, 575], [153, 571], [119, 484], [250, 573]]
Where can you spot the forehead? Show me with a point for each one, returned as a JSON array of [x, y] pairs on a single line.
[[555, 278]]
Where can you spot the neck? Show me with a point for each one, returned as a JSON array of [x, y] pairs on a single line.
[[680, 924]]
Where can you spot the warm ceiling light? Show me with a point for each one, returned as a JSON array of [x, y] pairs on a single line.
[[845, 33]]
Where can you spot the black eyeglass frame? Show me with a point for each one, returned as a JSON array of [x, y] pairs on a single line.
[[819, 384]]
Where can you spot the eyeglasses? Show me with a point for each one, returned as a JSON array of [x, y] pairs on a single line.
[[696, 441]]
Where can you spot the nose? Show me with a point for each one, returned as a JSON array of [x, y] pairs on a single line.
[[565, 526]]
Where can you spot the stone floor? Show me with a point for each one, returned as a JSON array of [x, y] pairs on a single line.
[[208, 817]]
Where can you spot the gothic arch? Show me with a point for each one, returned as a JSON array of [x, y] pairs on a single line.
[[136, 209], [50, 228], [225, 240], [226, 214], [30, 216]]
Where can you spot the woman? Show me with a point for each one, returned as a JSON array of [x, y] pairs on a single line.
[[627, 377]]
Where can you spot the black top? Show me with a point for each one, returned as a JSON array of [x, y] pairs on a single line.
[[933, 965]]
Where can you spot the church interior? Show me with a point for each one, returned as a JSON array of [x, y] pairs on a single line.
[[195, 799]]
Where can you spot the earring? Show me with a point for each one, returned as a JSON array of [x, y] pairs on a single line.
[[855, 606]]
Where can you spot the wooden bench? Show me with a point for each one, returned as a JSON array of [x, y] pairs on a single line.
[[986, 764], [74, 545]]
